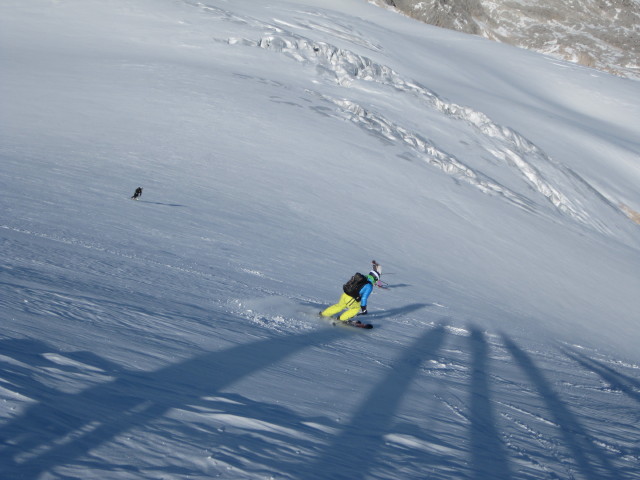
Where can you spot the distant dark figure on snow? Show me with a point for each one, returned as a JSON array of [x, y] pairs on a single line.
[[137, 194]]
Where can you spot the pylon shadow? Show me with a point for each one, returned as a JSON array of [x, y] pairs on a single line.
[[591, 461], [64, 426], [489, 458], [352, 454]]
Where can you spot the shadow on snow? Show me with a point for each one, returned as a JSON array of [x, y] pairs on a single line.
[[63, 427], [591, 461]]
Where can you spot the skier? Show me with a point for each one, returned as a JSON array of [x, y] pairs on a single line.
[[137, 194], [356, 303]]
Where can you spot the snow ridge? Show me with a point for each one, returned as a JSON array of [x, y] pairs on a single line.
[[502, 143]]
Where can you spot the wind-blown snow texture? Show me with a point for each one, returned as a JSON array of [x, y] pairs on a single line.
[[281, 147]]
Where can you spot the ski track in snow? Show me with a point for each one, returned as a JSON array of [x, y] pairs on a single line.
[[504, 145], [481, 393], [535, 397]]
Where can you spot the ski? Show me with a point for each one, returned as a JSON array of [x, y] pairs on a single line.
[[351, 323], [347, 323]]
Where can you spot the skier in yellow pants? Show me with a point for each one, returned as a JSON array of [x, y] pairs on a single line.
[[354, 304]]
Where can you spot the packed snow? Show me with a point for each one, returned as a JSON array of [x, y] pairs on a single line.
[[281, 147]]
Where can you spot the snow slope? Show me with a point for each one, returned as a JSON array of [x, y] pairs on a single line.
[[281, 146]]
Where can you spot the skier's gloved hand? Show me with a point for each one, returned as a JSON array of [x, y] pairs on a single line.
[[363, 311]]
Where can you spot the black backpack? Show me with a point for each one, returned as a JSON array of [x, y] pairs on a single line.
[[354, 285]]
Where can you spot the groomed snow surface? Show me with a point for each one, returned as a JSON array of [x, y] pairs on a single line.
[[282, 146]]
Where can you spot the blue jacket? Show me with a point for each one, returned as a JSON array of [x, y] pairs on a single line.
[[364, 293]]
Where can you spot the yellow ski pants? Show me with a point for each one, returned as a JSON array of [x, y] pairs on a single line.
[[350, 304]]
